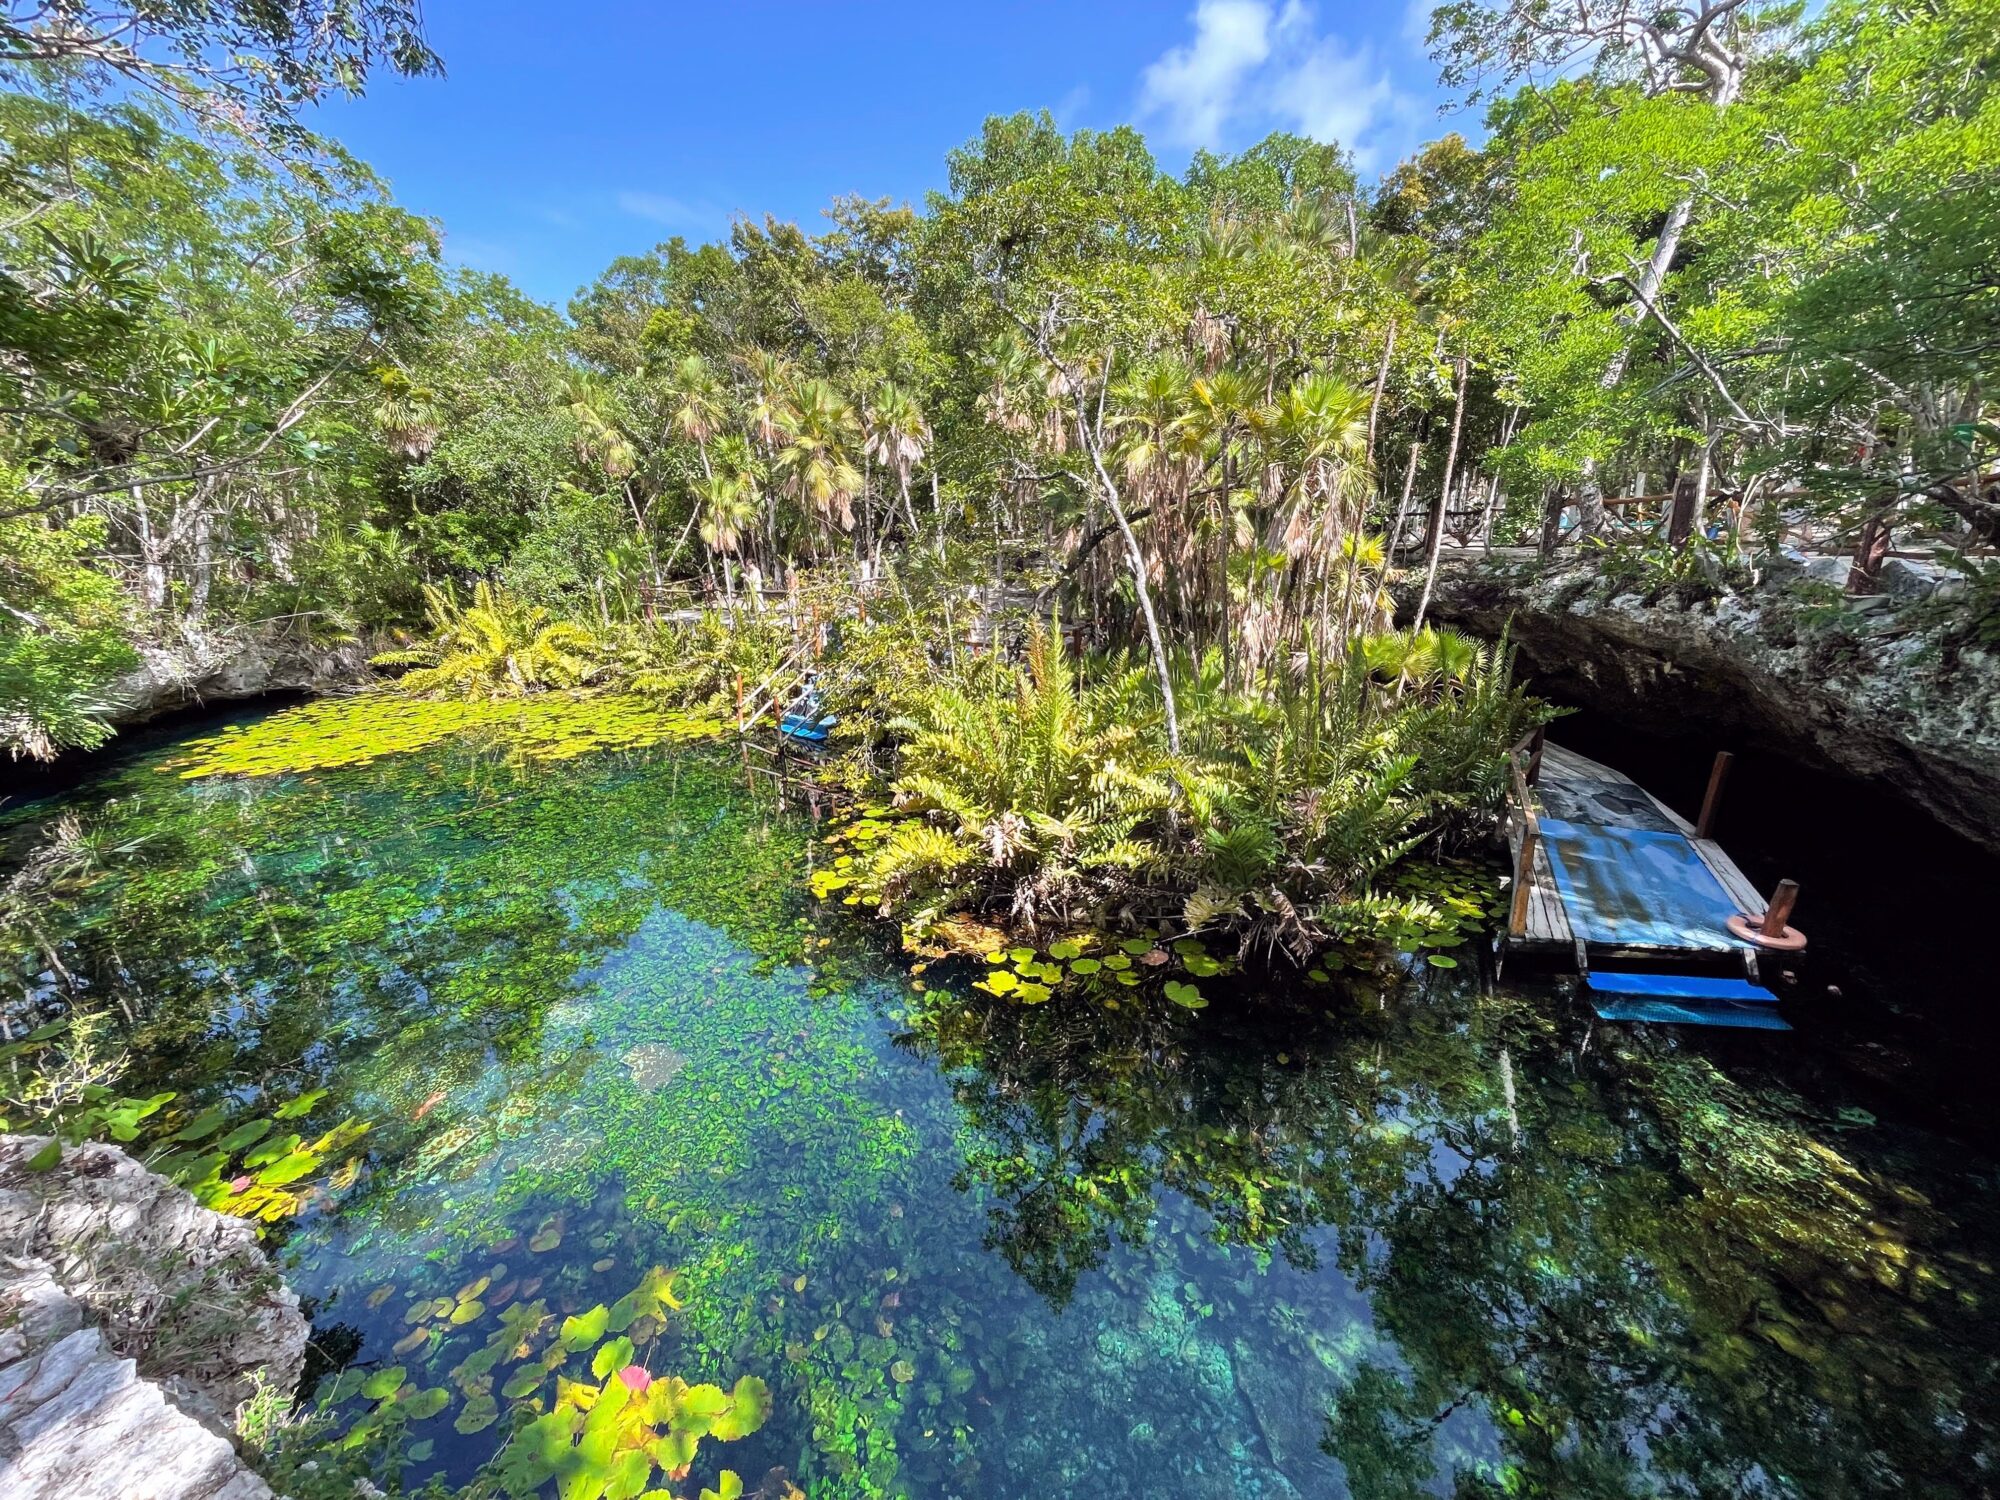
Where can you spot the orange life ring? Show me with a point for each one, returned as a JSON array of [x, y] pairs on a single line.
[[1750, 930]]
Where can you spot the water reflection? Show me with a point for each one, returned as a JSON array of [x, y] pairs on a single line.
[[1413, 1243]]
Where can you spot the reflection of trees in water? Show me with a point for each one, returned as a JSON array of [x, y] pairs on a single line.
[[1639, 1276]]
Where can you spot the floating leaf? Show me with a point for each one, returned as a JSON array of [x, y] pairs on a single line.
[[247, 1134], [728, 1487], [288, 1169], [523, 1382], [419, 1451], [465, 1312], [202, 1125], [1085, 965], [477, 1415], [1032, 994], [292, 1109], [423, 1405], [1184, 995], [1064, 949], [748, 1407], [585, 1329], [410, 1340], [902, 1372], [384, 1383], [1441, 961], [613, 1355]]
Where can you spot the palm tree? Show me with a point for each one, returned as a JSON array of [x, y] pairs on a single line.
[[601, 440], [695, 405], [816, 459], [407, 415], [727, 502], [898, 438]]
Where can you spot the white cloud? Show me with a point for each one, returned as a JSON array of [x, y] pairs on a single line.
[[1198, 87], [1071, 106], [1252, 68], [662, 209]]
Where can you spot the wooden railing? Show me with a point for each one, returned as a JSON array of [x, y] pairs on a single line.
[[1522, 778]]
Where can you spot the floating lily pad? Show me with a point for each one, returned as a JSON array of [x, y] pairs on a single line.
[[420, 1406], [1184, 995], [523, 1382], [383, 1383], [477, 1415]]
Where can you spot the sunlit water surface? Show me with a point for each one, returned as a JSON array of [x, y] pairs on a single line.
[[1295, 1244]]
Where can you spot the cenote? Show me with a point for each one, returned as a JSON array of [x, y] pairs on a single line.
[[1431, 1237]]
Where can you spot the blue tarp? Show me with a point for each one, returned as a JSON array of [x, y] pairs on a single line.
[[1681, 987], [1673, 1012], [1637, 887]]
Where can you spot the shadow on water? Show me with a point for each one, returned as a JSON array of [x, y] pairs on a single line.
[[1426, 1240]]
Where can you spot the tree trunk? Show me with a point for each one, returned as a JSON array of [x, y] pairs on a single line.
[[1870, 550], [1554, 503], [1137, 559], [1436, 538], [1403, 505], [1381, 383]]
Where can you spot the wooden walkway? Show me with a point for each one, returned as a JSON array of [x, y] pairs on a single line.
[[1583, 794]]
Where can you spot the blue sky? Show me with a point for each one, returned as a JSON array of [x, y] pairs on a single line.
[[564, 135]]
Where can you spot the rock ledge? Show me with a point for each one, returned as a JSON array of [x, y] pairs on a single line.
[[133, 1322]]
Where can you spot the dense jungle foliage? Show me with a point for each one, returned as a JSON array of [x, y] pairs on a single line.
[[1738, 246]]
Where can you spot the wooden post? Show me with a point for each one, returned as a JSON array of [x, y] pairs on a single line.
[[1711, 802], [1778, 915], [1535, 744]]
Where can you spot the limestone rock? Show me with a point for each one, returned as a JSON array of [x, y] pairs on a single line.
[[186, 1292], [230, 667], [1886, 699], [79, 1423]]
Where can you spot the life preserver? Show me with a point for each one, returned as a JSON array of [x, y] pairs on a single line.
[[1750, 930]]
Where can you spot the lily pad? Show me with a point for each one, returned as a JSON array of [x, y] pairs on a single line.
[[1184, 995]]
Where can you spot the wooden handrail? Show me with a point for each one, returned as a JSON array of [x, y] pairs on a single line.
[[1524, 863]]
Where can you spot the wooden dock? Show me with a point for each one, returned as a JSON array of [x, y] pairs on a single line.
[[1663, 912]]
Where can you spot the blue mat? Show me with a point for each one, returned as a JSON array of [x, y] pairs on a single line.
[[1638, 887], [1673, 1013], [1680, 987]]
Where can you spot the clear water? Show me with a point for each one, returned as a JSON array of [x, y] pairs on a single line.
[[1421, 1242]]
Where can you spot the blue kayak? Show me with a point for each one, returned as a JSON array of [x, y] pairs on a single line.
[[805, 727]]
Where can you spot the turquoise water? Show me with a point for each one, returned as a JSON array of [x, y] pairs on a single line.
[[1411, 1241]]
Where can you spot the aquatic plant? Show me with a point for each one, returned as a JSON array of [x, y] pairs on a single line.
[[338, 732]]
